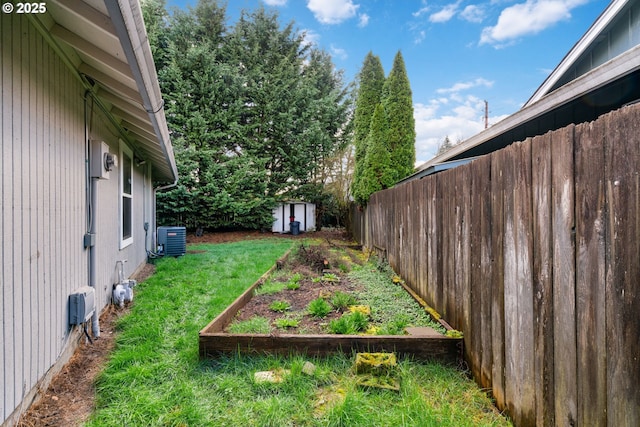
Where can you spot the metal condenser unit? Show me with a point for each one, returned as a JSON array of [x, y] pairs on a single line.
[[172, 241]]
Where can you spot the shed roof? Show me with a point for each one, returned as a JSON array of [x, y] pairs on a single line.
[[105, 43], [588, 82]]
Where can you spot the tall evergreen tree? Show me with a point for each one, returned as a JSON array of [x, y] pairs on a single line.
[[398, 105], [378, 172], [370, 83], [252, 109]]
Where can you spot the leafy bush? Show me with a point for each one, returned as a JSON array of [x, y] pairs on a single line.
[[342, 300], [319, 308], [330, 277], [279, 306], [348, 324], [286, 322]]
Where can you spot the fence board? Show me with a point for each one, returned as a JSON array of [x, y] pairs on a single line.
[[542, 283], [564, 277], [463, 262], [590, 296], [486, 267], [497, 282], [518, 297], [622, 268], [448, 256], [433, 246]]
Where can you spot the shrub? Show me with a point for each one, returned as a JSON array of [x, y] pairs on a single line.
[[342, 300], [286, 322], [319, 307], [279, 306], [350, 323]]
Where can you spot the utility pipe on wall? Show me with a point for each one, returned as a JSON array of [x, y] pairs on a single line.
[[91, 189]]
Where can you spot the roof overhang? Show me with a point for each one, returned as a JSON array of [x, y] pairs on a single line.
[[605, 88], [104, 42]]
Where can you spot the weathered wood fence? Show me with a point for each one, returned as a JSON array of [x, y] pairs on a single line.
[[533, 252]]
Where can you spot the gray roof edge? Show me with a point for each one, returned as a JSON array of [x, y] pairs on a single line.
[[621, 65], [607, 15]]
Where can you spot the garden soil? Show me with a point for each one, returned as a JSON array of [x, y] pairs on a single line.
[[69, 399]]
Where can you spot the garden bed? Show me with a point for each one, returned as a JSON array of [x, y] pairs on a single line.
[[317, 272]]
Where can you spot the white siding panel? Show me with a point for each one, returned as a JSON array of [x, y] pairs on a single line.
[[43, 208]]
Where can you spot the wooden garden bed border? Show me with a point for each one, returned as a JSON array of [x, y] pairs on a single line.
[[213, 341]]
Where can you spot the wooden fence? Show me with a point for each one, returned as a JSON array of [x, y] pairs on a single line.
[[533, 252]]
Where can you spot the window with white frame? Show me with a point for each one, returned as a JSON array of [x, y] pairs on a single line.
[[126, 196]]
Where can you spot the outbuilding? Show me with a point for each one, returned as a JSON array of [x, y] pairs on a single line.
[[287, 212]]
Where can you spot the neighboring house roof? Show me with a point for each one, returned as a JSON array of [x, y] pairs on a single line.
[[599, 74], [105, 43]]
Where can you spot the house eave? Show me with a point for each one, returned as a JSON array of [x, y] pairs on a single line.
[[105, 44]]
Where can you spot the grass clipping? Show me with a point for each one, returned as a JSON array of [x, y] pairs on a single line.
[[377, 370]]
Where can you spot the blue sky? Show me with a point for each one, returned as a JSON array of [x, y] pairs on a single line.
[[457, 53]]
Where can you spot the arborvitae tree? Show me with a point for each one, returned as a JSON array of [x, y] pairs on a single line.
[[398, 105], [370, 83], [378, 172]]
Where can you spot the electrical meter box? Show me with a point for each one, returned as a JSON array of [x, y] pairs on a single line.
[[102, 161], [172, 240], [81, 305]]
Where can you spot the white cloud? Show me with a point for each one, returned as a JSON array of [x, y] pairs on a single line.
[[445, 117], [422, 11], [275, 2], [332, 11], [530, 17], [420, 37], [445, 14], [339, 52], [363, 20], [473, 13], [460, 86]]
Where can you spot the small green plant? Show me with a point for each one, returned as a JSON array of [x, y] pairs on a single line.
[[348, 324], [270, 287], [342, 300], [253, 325], [279, 306], [294, 282], [395, 326], [286, 322], [330, 277], [319, 308]]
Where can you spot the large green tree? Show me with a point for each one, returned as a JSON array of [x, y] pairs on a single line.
[[253, 111], [398, 105], [369, 92], [378, 172]]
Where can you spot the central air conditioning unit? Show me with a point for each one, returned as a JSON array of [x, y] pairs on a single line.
[[82, 304], [172, 241]]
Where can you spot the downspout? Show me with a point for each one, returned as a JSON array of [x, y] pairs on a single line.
[[91, 199], [155, 220]]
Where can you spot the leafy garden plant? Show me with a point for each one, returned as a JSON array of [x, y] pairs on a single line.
[[279, 306], [319, 307]]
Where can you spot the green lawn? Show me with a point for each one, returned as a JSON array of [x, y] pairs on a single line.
[[155, 378]]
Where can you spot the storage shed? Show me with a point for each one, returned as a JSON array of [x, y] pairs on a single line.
[[285, 212]]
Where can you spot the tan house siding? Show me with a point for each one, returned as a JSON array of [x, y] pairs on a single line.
[[44, 215]]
